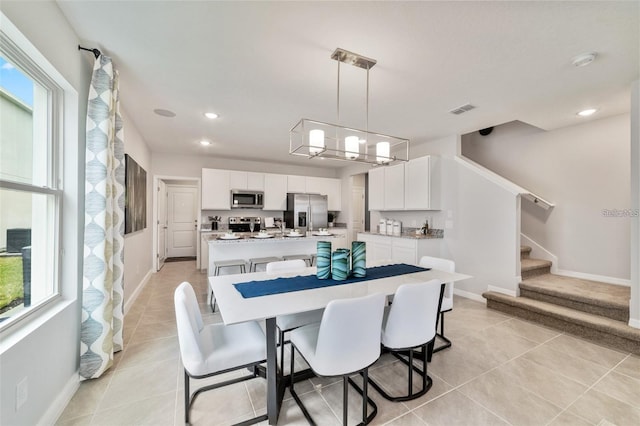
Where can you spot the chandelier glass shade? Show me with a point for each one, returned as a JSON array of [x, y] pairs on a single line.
[[318, 139]]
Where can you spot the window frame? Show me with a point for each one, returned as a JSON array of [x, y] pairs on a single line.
[[55, 125]]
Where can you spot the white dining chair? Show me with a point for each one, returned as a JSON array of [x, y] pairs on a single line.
[[212, 349], [447, 298], [410, 323], [345, 342], [286, 323]]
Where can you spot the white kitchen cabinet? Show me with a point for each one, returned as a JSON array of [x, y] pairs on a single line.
[[422, 184], [296, 183], [376, 188], [255, 181], [397, 249], [204, 250], [275, 192], [414, 185], [215, 190], [341, 240], [394, 187], [237, 179], [246, 180], [330, 187]]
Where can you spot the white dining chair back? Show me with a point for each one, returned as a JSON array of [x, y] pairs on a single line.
[[213, 349], [286, 323], [349, 335], [443, 265], [189, 324], [412, 318], [346, 342], [284, 266], [447, 298]]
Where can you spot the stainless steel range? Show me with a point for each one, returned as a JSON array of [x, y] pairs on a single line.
[[243, 224]]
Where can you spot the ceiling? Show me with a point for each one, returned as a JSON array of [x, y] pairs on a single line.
[[262, 66]]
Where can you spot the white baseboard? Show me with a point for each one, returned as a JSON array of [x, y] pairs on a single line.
[[469, 295], [634, 323], [511, 293], [593, 277], [53, 413], [129, 303]]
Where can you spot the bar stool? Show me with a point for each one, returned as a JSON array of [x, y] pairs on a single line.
[[224, 264], [254, 262], [305, 257]]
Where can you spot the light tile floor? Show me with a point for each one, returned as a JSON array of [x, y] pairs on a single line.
[[499, 371]]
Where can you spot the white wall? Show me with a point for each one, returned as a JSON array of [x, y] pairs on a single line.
[[192, 165], [46, 350], [138, 248], [583, 169], [634, 309]]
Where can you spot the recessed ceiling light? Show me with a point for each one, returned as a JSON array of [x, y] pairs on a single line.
[[211, 115], [205, 142], [587, 112], [584, 59], [164, 112]]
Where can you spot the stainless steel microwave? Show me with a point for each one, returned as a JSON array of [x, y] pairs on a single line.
[[243, 199]]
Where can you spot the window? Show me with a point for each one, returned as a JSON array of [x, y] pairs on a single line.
[[30, 186]]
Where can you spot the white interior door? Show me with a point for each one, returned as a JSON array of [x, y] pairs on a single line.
[[162, 224], [182, 218], [357, 211]]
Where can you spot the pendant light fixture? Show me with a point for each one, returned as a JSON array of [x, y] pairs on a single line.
[[317, 139]]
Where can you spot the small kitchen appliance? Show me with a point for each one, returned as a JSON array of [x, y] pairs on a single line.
[[243, 199]]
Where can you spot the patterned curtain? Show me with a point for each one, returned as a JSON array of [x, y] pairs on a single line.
[[102, 300]]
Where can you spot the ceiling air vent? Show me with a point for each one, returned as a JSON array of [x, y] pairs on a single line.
[[462, 109]]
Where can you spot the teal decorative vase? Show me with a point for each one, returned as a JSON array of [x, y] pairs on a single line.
[[359, 258], [340, 264], [323, 260]]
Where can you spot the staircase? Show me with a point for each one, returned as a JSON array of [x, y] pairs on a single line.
[[589, 309]]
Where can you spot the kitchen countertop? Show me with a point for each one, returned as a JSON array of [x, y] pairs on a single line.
[[246, 237], [411, 235]]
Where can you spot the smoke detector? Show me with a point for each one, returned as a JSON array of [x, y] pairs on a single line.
[[584, 59]]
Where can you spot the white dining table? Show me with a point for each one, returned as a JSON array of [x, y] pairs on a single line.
[[234, 308]]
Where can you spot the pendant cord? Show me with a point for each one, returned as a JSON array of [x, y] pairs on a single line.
[[367, 118], [338, 97]]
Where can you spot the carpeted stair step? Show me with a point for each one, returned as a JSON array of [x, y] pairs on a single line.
[[525, 252], [599, 329], [530, 268], [608, 300]]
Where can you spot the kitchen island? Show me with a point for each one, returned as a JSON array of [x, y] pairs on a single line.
[[247, 246]]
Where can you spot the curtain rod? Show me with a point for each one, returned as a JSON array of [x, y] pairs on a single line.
[[95, 52]]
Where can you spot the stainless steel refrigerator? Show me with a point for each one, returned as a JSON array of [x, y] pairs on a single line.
[[306, 212]]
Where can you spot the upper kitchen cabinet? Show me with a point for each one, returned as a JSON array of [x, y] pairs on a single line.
[[422, 184], [414, 185], [386, 188], [330, 187], [394, 187], [296, 183], [246, 180], [376, 189], [275, 192], [215, 189]]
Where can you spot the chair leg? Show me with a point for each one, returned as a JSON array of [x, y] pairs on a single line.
[[281, 340], [295, 395], [186, 397], [345, 400], [427, 382], [447, 342]]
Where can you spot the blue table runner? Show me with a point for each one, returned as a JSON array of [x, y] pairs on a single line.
[[306, 282]]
